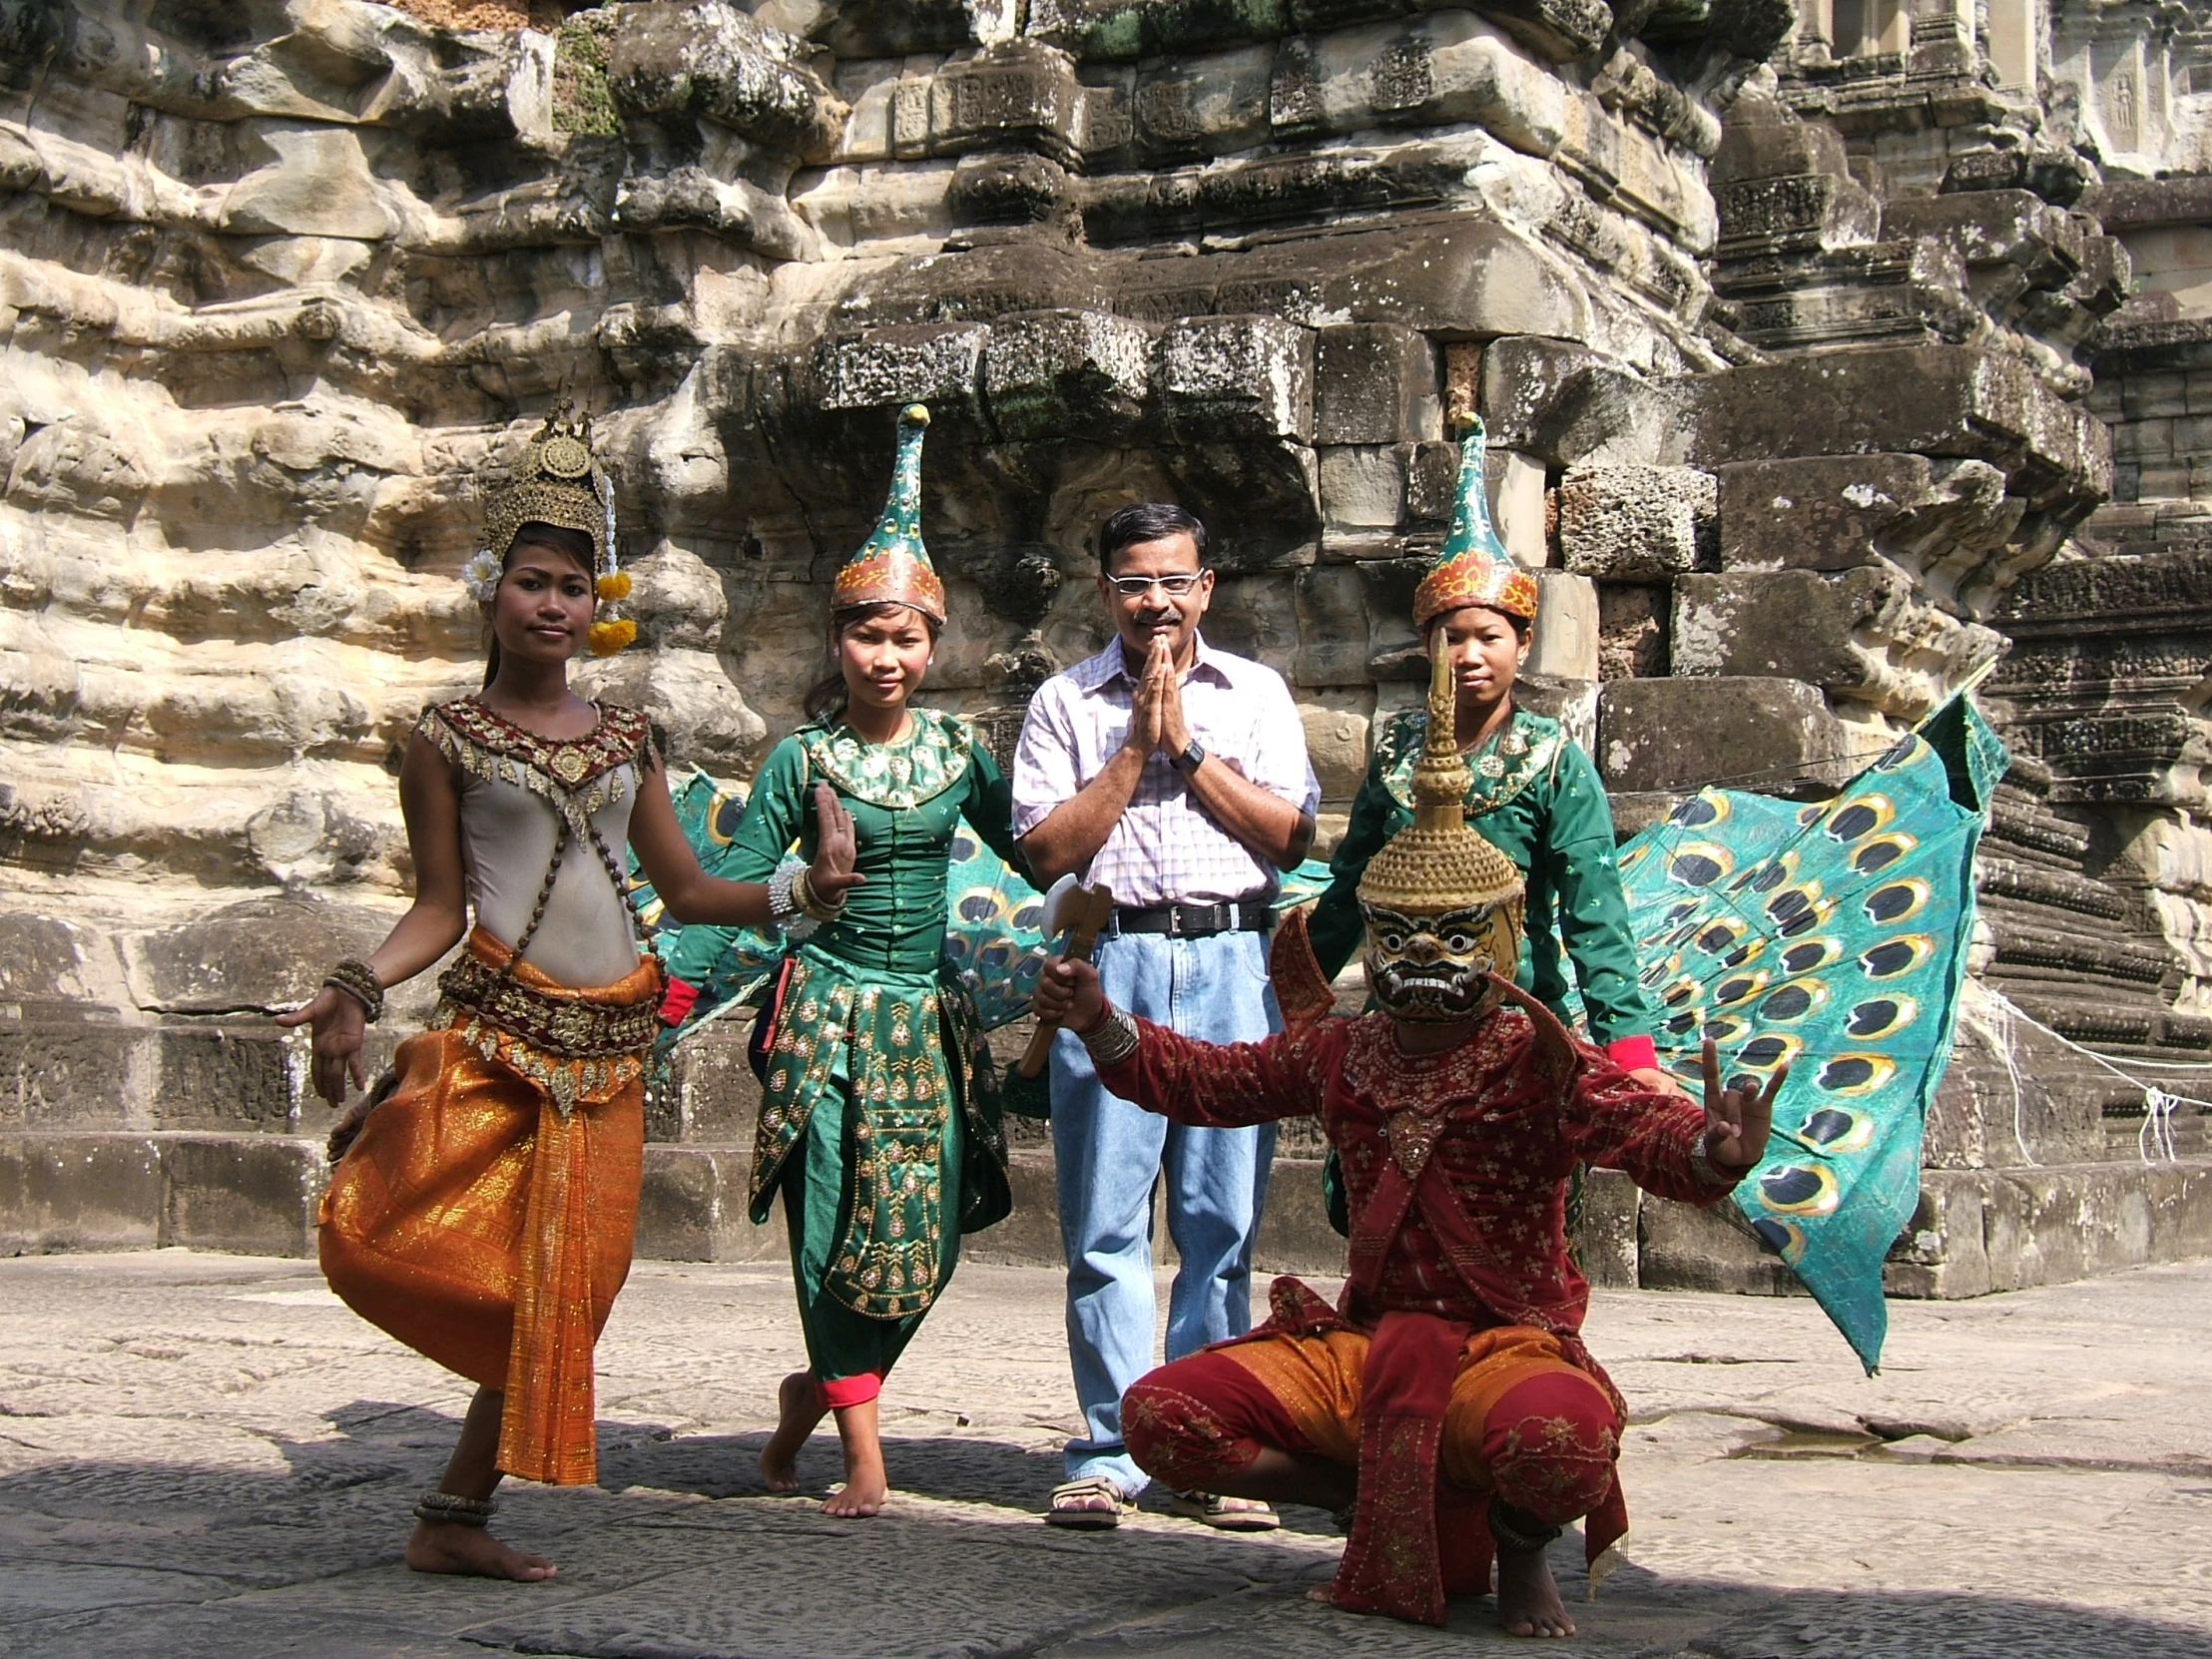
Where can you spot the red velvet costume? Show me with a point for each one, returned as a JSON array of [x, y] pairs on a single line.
[[1456, 1167]]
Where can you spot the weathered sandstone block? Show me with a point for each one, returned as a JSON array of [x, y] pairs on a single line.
[[1679, 735], [1236, 377], [1048, 374], [709, 58], [1374, 383], [1635, 524], [1563, 642], [1860, 635]]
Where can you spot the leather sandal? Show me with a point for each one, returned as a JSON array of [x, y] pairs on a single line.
[[1072, 1505], [1228, 1514]]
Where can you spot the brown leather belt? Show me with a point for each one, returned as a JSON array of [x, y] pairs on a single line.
[[1195, 922]]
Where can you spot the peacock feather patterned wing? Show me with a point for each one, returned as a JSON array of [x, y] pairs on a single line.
[[993, 934], [1830, 937]]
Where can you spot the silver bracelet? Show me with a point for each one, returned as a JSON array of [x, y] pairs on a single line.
[[1113, 1040], [783, 902]]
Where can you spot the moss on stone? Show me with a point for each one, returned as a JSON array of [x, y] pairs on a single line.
[[582, 100]]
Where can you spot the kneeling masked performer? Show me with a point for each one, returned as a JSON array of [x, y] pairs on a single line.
[[1446, 1400], [482, 1209]]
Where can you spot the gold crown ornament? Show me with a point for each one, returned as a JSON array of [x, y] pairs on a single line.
[[558, 481], [892, 566], [1442, 905], [1472, 567]]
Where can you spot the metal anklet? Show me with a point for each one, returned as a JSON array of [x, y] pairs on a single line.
[[1113, 1040], [1512, 1538], [449, 1509], [357, 979]]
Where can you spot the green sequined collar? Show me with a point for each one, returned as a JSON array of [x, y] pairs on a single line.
[[931, 759], [1500, 769]]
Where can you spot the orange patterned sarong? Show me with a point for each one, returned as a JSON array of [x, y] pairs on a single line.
[[485, 1227], [1436, 1420], [1319, 1381]]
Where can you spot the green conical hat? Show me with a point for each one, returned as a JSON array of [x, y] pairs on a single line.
[[1473, 568], [892, 567]]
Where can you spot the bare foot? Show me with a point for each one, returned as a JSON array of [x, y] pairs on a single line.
[[1529, 1601], [799, 1401], [866, 1486], [856, 1500], [441, 1547]]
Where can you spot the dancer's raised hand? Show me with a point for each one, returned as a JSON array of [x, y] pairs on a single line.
[[1737, 1120], [835, 847]]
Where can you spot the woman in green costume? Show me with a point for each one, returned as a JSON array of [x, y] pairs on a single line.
[[1533, 795], [878, 1116]]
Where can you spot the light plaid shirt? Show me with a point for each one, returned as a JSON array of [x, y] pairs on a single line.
[[1166, 849]]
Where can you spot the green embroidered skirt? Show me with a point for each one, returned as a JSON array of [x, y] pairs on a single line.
[[879, 1126]]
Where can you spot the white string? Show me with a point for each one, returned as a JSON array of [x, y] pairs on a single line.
[[1996, 1024], [2158, 1105], [2158, 1126]]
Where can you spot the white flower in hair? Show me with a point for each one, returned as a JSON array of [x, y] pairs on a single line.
[[481, 576]]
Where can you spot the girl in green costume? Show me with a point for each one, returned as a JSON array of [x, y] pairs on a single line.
[[1533, 793], [879, 1115]]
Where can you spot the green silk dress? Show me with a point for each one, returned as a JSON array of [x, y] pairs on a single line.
[[878, 1112], [1536, 798]]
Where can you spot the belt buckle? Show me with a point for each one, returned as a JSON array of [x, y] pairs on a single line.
[[1175, 921]]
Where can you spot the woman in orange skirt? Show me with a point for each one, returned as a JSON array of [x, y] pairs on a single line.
[[482, 1212]]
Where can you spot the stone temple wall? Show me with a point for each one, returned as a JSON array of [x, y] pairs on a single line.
[[1811, 348]]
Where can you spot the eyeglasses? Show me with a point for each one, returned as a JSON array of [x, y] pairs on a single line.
[[1173, 586]]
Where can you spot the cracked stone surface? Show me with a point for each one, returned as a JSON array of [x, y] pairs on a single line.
[[207, 1455]]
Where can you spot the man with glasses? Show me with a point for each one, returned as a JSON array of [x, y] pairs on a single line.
[[1176, 776]]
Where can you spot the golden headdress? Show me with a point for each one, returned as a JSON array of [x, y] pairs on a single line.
[[892, 566], [559, 482], [1473, 567], [1442, 905]]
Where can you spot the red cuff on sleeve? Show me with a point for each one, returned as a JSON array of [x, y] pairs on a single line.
[[1633, 1053], [677, 1001]]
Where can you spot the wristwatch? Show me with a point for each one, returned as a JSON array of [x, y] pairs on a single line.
[[1191, 758]]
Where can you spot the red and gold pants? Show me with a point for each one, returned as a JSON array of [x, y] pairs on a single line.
[[1524, 1423]]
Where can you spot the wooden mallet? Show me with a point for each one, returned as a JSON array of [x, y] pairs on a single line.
[[1078, 911]]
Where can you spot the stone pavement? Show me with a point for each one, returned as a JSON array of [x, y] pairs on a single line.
[[207, 1455]]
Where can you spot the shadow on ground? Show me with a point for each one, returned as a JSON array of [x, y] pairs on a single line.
[[678, 1554]]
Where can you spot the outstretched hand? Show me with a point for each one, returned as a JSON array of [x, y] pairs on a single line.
[[1068, 993], [1737, 1119], [836, 847], [340, 1026]]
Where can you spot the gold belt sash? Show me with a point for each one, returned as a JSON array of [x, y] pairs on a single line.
[[574, 1045]]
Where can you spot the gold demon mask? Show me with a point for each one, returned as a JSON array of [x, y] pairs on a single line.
[[1442, 905]]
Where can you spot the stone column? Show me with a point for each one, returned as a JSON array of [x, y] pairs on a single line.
[[2016, 26]]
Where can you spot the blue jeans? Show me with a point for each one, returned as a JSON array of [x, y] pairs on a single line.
[[1109, 1153]]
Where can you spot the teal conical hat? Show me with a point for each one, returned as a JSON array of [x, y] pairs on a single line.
[[1473, 568], [892, 567]]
